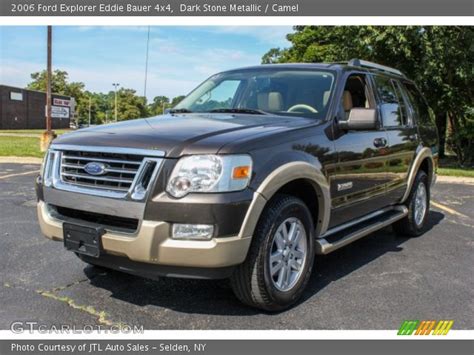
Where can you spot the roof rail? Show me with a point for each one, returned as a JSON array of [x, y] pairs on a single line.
[[366, 64]]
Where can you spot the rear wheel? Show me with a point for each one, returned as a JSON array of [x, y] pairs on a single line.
[[280, 258], [418, 204]]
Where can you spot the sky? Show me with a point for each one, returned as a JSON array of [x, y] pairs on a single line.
[[179, 57]]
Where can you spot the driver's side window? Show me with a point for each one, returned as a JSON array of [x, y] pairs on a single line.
[[356, 94]]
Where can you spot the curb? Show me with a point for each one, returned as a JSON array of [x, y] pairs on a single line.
[[455, 180], [21, 160]]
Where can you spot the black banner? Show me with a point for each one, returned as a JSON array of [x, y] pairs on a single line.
[[236, 8], [238, 347]]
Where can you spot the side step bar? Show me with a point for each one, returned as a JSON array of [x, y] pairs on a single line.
[[338, 237]]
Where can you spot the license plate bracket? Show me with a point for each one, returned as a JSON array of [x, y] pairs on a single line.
[[82, 239]]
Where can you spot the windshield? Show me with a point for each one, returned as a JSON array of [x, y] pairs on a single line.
[[292, 92]]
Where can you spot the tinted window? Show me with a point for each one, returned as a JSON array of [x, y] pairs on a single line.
[[289, 92], [422, 111], [388, 99], [401, 100]]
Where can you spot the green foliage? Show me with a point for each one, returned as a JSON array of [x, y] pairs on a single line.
[[438, 58], [59, 84], [159, 104], [101, 106], [176, 100], [130, 105]]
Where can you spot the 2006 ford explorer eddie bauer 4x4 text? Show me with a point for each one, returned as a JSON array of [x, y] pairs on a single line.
[[254, 173]]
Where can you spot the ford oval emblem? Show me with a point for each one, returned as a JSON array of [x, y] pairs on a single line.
[[94, 168]]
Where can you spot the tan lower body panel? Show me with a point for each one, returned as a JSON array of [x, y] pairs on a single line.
[[152, 245]]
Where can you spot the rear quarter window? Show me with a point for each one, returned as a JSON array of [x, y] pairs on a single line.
[[423, 113]]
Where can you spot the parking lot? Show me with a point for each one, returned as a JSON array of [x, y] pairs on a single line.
[[375, 283]]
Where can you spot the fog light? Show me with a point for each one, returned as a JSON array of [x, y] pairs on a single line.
[[193, 231]]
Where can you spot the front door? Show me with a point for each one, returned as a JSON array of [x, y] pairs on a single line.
[[358, 186]]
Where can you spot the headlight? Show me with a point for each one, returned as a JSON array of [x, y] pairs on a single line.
[[46, 171], [210, 173]]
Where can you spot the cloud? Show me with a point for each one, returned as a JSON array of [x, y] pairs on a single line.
[[275, 35], [179, 57], [18, 73]]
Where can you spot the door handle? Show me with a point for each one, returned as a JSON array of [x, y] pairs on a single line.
[[380, 142]]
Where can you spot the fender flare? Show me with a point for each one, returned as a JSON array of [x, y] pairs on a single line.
[[424, 153], [278, 178]]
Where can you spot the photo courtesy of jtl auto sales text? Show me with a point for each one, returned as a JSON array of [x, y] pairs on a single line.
[[236, 177]]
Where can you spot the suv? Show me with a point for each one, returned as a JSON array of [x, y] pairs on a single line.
[[252, 175]]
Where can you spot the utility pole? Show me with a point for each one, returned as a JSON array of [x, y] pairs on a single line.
[[115, 86], [48, 135], [48, 86]]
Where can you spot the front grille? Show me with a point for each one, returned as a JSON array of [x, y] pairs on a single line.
[[115, 223], [120, 170]]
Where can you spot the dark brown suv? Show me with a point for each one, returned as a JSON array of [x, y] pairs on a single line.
[[252, 175]]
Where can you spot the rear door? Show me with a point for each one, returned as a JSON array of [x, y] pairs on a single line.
[[397, 119]]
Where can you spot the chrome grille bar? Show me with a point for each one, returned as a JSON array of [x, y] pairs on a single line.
[[124, 174], [74, 157], [79, 166], [98, 178]]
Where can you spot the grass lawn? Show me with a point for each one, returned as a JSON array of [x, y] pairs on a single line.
[[20, 147], [465, 172]]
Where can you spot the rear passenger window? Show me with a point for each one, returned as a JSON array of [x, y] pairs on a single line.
[[389, 102], [402, 103]]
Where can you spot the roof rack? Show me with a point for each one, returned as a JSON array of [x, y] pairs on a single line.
[[366, 64]]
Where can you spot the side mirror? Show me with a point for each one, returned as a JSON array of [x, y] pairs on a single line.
[[360, 119]]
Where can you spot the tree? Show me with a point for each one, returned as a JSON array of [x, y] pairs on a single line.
[[438, 58], [102, 105], [130, 105], [159, 104], [59, 84], [176, 100]]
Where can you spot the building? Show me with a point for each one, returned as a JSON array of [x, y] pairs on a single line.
[[26, 109]]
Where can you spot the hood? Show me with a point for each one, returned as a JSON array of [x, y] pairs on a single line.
[[182, 134]]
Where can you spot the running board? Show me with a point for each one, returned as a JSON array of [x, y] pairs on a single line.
[[339, 237]]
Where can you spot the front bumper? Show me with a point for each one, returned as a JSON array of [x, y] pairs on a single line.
[[152, 244]]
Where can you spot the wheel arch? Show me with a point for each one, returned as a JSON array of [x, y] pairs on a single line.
[[423, 161], [286, 179]]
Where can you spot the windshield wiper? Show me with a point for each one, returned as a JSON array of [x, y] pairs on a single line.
[[180, 110], [249, 111]]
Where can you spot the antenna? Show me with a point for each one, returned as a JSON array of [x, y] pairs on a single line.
[[146, 60]]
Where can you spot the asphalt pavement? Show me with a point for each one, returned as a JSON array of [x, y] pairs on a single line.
[[374, 283]]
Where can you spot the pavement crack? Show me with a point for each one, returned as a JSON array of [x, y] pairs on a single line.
[[62, 288], [101, 316]]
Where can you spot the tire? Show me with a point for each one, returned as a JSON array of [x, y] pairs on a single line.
[[413, 225], [257, 282]]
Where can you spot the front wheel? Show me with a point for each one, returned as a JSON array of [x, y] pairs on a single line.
[[280, 258], [418, 204]]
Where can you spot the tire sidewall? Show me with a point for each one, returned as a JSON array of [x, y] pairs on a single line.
[[421, 178], [297, 209]]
